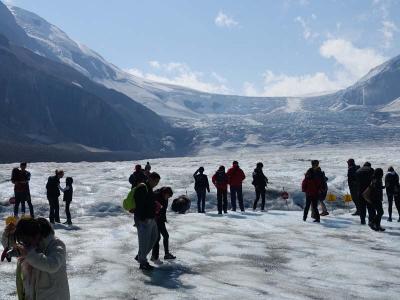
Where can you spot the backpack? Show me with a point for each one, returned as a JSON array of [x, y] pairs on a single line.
[[129, 203]]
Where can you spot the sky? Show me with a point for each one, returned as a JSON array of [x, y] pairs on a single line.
[[253, 48]]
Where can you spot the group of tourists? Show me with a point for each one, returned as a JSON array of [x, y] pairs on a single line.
[[234, 177], [366, 190], [20, 177]]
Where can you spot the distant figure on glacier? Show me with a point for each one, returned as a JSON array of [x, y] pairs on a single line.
[[352, 183], [137, 176], [20, 177], [201, 186], [324, 189], [145, 214], [364, 178], [260, 182], [312, 186], [377, 199], [147, 169], [220, 181], [68, 193], [392, 191], [161, 197], [235, 180], [53, 192]]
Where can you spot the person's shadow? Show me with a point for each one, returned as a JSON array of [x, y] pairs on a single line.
[[168, 276]]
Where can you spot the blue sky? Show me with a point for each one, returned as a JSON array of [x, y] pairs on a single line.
[[263, 48]]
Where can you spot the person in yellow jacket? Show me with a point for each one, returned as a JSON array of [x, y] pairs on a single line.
[[41, 269]]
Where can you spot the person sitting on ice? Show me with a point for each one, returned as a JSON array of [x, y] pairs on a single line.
[[161, 197]]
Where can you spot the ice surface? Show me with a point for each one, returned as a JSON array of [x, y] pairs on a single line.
[[272, 255]]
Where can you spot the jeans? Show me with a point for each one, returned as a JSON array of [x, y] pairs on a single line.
[[390, 202], [147, 232], [260, 193], [162, 231], [67, 212], [237, 191], [54, 215], [313, 202], [201, 200], [222, 200]]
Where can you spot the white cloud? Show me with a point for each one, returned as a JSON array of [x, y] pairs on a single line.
[[308, 34], [223, 20], [388, 30], [352, 64], [181, 74]]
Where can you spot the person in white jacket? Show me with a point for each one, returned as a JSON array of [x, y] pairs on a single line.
[[41, 270]]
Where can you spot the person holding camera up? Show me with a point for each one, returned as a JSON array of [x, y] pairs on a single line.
[[41, 268], [201, 186]]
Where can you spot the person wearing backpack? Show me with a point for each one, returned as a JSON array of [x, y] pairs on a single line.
[[53, 192], [220, 181], [146, 225], [20, 177], [392, 191], [68, 192], [201, 186], [260, 182], [161, 197], [352, 183], [364, 177], [235, 180]]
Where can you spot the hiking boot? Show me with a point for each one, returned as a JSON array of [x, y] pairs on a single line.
[[316, 221], [137, 257], [389, 219], [233, 209], [156, 261], [362, 222], [324, 213], [355, 214], [372, 226], [146, 267], [398, 220], [169, 256], [381, 229], [304, 219]]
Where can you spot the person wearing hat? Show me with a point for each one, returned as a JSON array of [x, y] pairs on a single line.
[[201, 186], [352, 183], [53, 192], [235, 180], [260, 182], [364, 178], [137, 176], [220, 181], [392, 191]]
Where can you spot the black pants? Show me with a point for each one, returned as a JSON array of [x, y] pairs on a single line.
[[67, 212], [260, 193], [22, 197], [354, 196], [313, 202], [162, 231], [201, 200], [237, 191], [54, 209], [222, 200], [390, 202], [378, 213], [364, 206]]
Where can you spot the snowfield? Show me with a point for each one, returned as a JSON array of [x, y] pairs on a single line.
[[254, 255]]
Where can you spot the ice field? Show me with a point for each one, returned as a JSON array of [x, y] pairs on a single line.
[[251, 255]]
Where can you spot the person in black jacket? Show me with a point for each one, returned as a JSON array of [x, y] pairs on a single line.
[[146, 225], [201, 186], [68, 192], [161, 197], [377, 199], [137, 176], [392, 191], [352, 183], [260, 182], [53, 192], [364, 178]]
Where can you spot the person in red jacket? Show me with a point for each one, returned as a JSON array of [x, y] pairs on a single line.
[[220, 180], [235, 179], [312, 186]]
